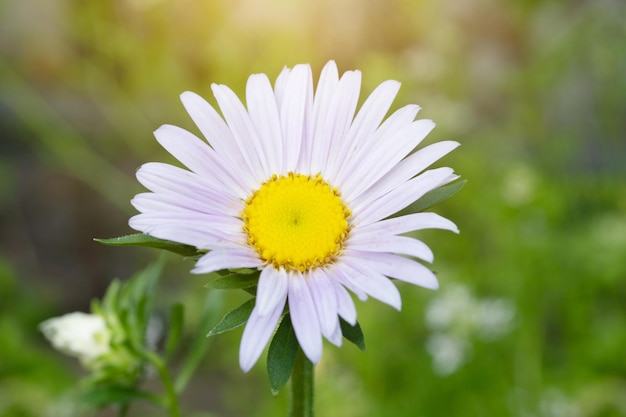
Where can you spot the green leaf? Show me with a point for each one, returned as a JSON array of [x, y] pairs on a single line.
[[234, 318], [234, 281], [281, 355], [431, 198], [116, 395], [140, 239], [177, 318], [353, 334]]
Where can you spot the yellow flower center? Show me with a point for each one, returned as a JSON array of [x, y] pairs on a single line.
[[296, 221]]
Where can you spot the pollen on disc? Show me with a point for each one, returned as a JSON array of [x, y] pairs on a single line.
[[296, 221]]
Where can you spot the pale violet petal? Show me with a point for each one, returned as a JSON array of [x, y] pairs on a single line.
[[397, 121], [304, 317], [398, 267], [220, 259], [258, 331], [218, 135], [336, 336], [148, 202], [317, 144], [339, 117], [370, 210], [281, 85], [272, 289], [345, 305], [405, 224], [243, 133], [189, 234], [211, 223], [292, 114], [370, 281], [393, 244], [377, 164], [325, 300], [168, 179], [411, 166], [264, 115], [199, 157], [366, 121]]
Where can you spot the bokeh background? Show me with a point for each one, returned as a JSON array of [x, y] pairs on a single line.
[[530, 319]]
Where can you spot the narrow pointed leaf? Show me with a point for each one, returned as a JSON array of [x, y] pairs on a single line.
[[234, 281], [281, 355], [140, 239], [234, 318], [177, 317], [353, 334], [431, 198]]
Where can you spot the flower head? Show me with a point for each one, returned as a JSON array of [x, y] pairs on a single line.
[[298, 186], [82, 335]]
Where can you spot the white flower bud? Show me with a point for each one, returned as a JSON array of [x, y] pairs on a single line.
[[82, 335]]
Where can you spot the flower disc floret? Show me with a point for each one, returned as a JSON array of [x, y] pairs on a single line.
[[297, 222]]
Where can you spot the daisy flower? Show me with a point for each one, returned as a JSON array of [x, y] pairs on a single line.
[[299, 185]]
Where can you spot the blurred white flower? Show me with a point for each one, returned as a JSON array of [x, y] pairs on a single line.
[[448, 351], [456, 318], [82, 335]]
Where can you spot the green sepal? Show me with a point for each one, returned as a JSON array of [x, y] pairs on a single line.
[[353, 334], [177, 318], [235, 280], [281, 355], [140, 239], [234, 318], [431, 198], [116, 395]]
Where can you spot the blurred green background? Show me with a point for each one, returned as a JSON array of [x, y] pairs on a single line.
[[535, 91]]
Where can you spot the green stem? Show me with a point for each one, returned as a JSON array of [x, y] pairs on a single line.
[[301, 387], [170, 399]]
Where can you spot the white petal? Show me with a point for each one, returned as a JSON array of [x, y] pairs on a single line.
[[345, 305], [316, 144], [148, 202], [211, 223], [377, 164], [168, 179], [263, 111], [339, 117], [304, 317], [271, 290], [394, 244], [394, 123], [257, 333], [323, 294], [411, 166], [298, 88], [218, 134], [367, 211], [227, 259], [189, 234], [200, 158], [405, 224], [397, 267], [243, 133], [370, 281], [366, 122], [281, 85], [336, 337]]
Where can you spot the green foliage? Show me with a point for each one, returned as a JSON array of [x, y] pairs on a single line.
[[143, 240], [234, 318], [353, 334], [281, 355], [431, 198]]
